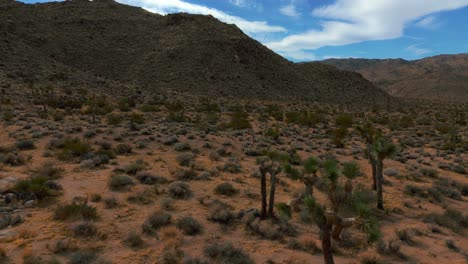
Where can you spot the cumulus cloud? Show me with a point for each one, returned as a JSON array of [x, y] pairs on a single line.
[[290, 10], [239, 3], [173, 6], [417, 50], [429, 22], [352, 21]]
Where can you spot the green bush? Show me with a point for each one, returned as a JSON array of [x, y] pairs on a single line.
[[73, 148], [155, 221], [75, 211], [189, 225], [239, 120], [25, 145], [120, 182], [36, 186], [227, 253], [344, 121], [225, 188]]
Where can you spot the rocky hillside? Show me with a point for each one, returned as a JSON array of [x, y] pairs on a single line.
[[102, 43], [443, 77]]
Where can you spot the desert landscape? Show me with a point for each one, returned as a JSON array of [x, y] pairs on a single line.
[[213, 150]]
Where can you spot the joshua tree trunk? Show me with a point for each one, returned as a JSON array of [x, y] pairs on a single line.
[[326, 243], [309, 182], [373, 162], [272, 194], [379, 178], [264, 198]]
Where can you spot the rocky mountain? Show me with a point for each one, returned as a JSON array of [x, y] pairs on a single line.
[[102, 43], [443, 77]]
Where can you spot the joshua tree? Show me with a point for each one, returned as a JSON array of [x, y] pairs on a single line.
[[43, 96], [329, 221], [368, 132], [383, 149], [136, 118], [377, 149], [273, 168], [308, 176]]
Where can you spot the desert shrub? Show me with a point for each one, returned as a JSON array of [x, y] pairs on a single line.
[[221, 213], [185, 159], [451, 245], [451, 189], [137, 118], [83, 257], [75, 211], [239, 120], [84, 229], [370, 259], [110, 202], [96, 197], [451, 218], [431, 173], [303, 118], [360, 203], [114, 119], [12, 159], [225, 188], [120, 182], [214, 156], [189, 260], [144, 197], [49, 170], [179, 190], [413, 190], [344, 121], [405, 236], [125, 104], [189, 225], [62, 246], [155, 221], [73, 148], [232, 165], [273, 133], [227, 253], [134, 167], [133, 240], [149, 179], [185, 174], [338, 136], [182, 146], [123, 149], [25, 145], [35, 187], [292, 172]]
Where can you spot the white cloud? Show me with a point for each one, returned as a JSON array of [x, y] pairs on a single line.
[[416, 50], [173, 6], [239, 3], [290, 10], [352, 21], [429, 22]]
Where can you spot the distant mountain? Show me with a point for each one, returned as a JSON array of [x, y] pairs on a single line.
[[103, 43], [443, 77]]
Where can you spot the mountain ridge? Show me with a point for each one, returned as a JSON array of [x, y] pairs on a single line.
[[443, 77], [91, 43]]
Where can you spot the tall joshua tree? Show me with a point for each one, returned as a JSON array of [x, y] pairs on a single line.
[[329, 221], [272, 168], [308, 176], [377, 149], [383, 149], [368, 133]]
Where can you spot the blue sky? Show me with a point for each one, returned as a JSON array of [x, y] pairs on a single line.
[[303, 30]]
